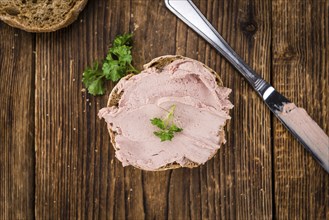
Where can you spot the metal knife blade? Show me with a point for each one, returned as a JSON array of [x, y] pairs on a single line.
[[296, 120]]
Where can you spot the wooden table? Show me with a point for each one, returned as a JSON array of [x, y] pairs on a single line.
[[56, 160]]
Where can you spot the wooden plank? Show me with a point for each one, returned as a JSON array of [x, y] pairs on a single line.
[[16, 124], [152, 39], [77, 175], [246, 160], [301, 72], [236, 184]]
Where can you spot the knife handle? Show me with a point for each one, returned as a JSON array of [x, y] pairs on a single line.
[[191, 15]]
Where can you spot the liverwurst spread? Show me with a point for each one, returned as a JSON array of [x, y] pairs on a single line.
[[202, 109], [303, 125]]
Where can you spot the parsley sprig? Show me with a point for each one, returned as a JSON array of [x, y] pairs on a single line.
[[116, 65], [166, 125]]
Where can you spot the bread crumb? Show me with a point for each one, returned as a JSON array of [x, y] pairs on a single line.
[[136, 26]]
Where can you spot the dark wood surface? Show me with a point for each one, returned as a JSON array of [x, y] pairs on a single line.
[[56, 160]]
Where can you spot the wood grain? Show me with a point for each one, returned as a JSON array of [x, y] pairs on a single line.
[[73, 137], [229, 186], [247, 155], [56, 160], [16, 124], [301, 72], [76, 173]]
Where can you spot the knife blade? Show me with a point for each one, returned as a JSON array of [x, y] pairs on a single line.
[[295, 119]]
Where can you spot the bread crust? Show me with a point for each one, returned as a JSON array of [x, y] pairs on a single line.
[[158, 63], [70, 16]]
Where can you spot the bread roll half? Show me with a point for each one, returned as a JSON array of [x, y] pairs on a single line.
[[40, 15], [202, 109]]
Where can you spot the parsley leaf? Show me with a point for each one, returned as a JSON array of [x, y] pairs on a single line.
[[96, 87], [112, 70], [125, 39], [158, 122], [174, 128], [164, 135], [116, 65], [123, 53], [166, 125], [92, 78]]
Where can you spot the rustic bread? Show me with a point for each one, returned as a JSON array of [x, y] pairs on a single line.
[[40, 15], [158, 63]]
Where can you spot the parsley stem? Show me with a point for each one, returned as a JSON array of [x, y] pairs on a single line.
[[167, 126], [170, 117], [100, 76], [132, 69]]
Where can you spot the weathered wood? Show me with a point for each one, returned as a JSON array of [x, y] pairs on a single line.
[[76, 172], [150, 18], [16, 124], [262, 172], [242, 170], [229, 186], [301, 72]]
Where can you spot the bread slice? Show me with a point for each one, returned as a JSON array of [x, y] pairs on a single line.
[[40, 15], [158, 63]]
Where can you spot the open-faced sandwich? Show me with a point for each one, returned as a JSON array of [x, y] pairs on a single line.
[[170, 115]]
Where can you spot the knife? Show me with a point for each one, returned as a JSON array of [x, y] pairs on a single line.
[[295, 119]]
